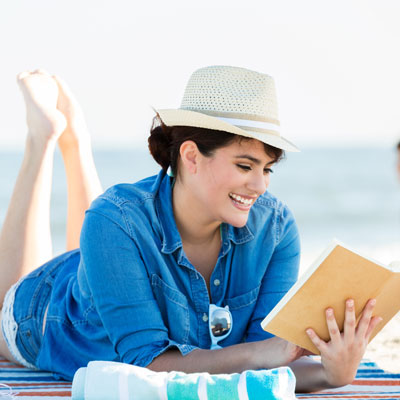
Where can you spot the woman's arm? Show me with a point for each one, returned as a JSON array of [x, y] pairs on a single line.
[[265, 354]]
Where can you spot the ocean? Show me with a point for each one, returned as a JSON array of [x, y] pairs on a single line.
[[351, 194]]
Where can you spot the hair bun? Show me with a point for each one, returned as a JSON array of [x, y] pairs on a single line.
[[160, 143]]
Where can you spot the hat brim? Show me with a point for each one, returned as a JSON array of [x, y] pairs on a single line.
[[179, 117]]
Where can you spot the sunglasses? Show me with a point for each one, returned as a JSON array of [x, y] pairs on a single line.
[[219, 324]]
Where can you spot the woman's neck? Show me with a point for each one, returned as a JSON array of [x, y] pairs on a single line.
[[194, 227]]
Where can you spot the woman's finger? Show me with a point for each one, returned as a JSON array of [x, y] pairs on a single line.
[[365, 319], [374, 322], [333, 328], [349, 321], [318, 343]]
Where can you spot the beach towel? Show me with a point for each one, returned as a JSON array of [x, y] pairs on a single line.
[[106, 380], [20, 382], [371, 383]]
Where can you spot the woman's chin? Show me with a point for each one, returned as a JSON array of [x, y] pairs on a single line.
[[238, 222]]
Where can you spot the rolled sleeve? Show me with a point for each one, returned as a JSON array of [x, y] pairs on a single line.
[[150, 352], [281, 274], [120, 288]]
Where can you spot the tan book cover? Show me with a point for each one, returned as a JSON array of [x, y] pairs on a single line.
[[337, 275]]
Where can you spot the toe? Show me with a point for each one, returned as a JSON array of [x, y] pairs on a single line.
[[22, 75], [41, 71]]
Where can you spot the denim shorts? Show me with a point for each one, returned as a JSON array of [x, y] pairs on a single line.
[[23, 311]]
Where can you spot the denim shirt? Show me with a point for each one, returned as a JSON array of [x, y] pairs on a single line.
[[131, 293]]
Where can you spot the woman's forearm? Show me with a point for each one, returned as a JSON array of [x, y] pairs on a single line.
[[310, 375], [265, 354], [230, 359]]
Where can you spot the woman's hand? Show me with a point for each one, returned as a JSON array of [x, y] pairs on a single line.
[[341, 356], [276, 352]]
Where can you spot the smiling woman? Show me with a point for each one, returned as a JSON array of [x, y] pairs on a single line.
[[160, 259]]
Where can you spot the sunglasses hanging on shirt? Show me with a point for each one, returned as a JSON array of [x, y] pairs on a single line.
[[219, 323]]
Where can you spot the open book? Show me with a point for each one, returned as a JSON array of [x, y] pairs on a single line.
[[337, 275]]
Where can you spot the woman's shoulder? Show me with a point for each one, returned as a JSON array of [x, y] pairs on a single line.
[[270, 203], [269, 211], [134, 193], [129, 203], [130, 194]]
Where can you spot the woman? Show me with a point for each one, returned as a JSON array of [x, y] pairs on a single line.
[[161, 259]]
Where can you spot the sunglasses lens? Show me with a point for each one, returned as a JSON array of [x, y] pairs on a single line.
[[220, 322]]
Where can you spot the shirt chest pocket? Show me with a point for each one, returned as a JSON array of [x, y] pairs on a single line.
[[244, 300], [241, 308], [174, 309]]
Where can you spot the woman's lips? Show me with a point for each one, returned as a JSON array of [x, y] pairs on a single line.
[[242, 202]]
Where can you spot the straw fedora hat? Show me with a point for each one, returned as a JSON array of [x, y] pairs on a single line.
[[231, 99]]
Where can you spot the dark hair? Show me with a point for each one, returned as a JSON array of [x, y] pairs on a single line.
[[165, 142], [398, 146]]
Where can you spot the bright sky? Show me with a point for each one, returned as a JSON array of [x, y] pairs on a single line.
[[336, 63]]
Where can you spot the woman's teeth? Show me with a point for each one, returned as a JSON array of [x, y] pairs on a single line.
[[240, 199]]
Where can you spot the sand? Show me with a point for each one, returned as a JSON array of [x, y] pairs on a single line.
[[384, 349]]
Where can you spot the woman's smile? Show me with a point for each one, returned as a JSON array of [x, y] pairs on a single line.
[[242, 202]]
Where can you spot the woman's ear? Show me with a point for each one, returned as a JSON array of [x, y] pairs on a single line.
[[189, 153]]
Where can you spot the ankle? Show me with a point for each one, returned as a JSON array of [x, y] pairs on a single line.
[[75, 146], [73, 138], [37, 143]]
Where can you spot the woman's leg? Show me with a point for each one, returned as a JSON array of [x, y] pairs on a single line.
[[25, 241], [82, 180]]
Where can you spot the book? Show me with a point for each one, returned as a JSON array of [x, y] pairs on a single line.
[[338, 274]]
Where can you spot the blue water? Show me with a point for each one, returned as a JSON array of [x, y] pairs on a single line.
[[350, 194]]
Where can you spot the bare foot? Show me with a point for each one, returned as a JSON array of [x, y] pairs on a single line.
[[76, 131], [40, 94]]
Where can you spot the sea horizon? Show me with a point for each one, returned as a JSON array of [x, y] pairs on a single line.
[[351, 194]]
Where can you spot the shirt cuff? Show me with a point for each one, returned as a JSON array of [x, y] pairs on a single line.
[[158, 348]]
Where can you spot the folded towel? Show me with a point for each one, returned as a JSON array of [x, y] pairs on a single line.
[[112, 380]]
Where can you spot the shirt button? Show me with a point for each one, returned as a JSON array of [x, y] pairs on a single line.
[[205, 317], [217, 282]]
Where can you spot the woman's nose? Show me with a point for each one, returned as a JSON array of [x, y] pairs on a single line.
[[259, 183]]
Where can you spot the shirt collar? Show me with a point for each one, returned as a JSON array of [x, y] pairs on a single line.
[[171, 237]]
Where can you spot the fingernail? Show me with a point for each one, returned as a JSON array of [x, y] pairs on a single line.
[[350, 303], [309, 332], [373, 302], [329, 311]]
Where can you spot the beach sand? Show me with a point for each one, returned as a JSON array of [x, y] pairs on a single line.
[[384, 349]]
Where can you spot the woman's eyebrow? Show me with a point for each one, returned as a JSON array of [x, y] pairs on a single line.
[[253, 159]]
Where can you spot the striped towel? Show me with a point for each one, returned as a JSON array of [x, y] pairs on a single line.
[[107, 380], [17, 381], [370, 383]]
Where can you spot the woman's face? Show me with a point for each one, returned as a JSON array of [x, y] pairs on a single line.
[[230, 181]]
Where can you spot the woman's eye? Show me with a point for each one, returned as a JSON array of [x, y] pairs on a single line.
[[248, 168]]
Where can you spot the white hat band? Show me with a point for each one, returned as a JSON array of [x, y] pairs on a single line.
[[250, 124]]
